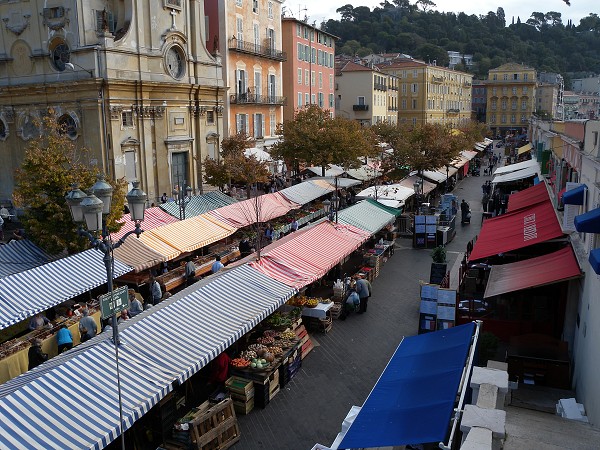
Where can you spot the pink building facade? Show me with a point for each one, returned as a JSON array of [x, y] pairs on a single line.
[[309, 72]]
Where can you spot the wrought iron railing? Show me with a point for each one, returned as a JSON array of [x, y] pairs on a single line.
[[251, 48]]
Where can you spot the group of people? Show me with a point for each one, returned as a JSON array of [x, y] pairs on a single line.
[[359, 291]]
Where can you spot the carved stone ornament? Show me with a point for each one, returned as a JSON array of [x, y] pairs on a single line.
[[149, 111], [55, 18], [15, 25], [219, 110], [115, 112]]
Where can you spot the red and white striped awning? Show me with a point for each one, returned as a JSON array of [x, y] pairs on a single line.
[[261, 208], [309, 256], [153, 217]]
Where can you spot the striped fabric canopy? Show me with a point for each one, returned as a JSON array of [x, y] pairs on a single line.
[[153, 217], [309, 256], [24, 294], [186, 332], [409, 182], [199, 204], [17, 256], [135, 253], [263, 207], [159, 246], [191, 234], [366, 216], [307, 191]]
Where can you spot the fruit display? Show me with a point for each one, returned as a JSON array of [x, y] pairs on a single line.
[[288, 335], [285, 343], [265, 340], [259, 364], [324, 300], [257, 347], [248, 354], [275, 350], [311, 302], [240, 363], [271, 333]]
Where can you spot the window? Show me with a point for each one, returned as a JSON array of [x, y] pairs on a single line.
[[360, 100], [60, 54], [130, 167], [525, 76], [272, 124], [300, 52], [414, 88], [513, 119], [210, 117], [313, 99], [523, 105], [306, 99], [298, 30], [493, 118], [513, 105], [331, 60], [256, 30], [404, 88], [493, 91], [523, 118], [514, 91], [299, 98], [241, 123], [331, 104], [257, 83], [306, 76], [67, 126], [306, 53], [127, 118], [255, 6], [403, 103], [495, 77], [524, 89], [493, 104], [503, 119], [321, 100], [313, 55], [238, 2], [240, 30], [415, 73], [515, 76], [270, 6], [105, 20], [3, 130], [331, 82], [320, 80], [503, 104], [305, 33], [259, 126], [504, 90], [299, 76], [414, 103], [505, 77], [414, 121], [312, 78]]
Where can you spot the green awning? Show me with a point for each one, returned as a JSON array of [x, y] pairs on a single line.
[[395, 211]]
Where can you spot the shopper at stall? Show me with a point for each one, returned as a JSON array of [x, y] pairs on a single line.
[[269, 233], [36, 355], [190, 272], [135, 305], [217, 265], [245, 247], [64, 339], [38, 321], [155, 291], [87, 326], [362, 288], [294, 225]]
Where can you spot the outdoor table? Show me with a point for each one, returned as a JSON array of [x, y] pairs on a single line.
[[319, 311]]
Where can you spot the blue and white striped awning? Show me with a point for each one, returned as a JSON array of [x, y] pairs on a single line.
[[366, 216], [71, 400], [187, 334], [24, 294], [17, 256], [307, 191], [199, 204], [75, 404]]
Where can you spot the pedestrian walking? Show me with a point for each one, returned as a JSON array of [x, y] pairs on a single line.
[[190, 272], [362, 289]]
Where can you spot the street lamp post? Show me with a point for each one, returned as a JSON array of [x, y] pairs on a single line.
[[91, 210], [182, 196], [447, 178]]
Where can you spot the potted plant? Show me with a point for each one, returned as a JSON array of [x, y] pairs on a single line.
[[439, 265]]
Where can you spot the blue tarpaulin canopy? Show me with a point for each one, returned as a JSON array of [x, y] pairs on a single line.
[[588, 222], [574, 196], [594, 260], [413, 400]]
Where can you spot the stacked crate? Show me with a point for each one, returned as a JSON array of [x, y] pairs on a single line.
[[242, 393], [266, 389], [290, 366]]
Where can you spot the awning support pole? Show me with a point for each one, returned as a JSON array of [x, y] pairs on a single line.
[[463, 388]]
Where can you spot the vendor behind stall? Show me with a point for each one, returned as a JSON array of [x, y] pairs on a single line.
[[219, 369]]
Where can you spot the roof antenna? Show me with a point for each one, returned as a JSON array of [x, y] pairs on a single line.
[[300, 12]]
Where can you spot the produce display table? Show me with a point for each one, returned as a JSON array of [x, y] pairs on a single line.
[[17, 362], [319, 311]]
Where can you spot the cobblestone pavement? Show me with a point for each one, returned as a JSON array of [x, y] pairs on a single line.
[[346, 362]]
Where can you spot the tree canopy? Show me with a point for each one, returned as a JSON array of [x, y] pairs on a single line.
[[313, 138], [542, 40], [52, 164]]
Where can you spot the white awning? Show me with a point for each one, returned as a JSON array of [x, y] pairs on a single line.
[[518, 175], [515, 167]]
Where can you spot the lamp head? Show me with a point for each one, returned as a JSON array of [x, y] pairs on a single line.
[[73, 199], [104, 192], [136, 198]]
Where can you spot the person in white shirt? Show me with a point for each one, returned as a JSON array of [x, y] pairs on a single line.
[[217, 265]]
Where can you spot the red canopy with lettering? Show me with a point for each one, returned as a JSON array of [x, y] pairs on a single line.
[[528, 197], [518, 229]]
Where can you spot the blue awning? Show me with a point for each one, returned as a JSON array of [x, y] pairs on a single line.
[[594, 260], [307, 191], [199, 204], [588, 222], [575, 196], [413, 400], [17, 256], [24, 294]]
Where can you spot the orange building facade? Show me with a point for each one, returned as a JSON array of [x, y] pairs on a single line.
[[248, 36], [309, 72]]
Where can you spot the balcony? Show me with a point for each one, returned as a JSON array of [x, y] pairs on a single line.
[[380, 87], [453, 111], [250, 48], [360, 107], [437, 80], [256, 99], [392, 108]]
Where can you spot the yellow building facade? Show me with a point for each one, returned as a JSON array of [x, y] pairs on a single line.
[[132, 81], [511, 94], [431, 94]]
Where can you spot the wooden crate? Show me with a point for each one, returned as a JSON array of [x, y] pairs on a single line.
[[306, 348], [240, 388], [244, 407], [336, 310], [215, 428]]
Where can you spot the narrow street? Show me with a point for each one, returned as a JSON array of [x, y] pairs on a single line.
[[346, 363]]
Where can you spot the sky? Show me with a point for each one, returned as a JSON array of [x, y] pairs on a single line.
[[319, 10]]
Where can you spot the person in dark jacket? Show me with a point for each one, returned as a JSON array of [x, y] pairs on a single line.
[[36, 355]]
